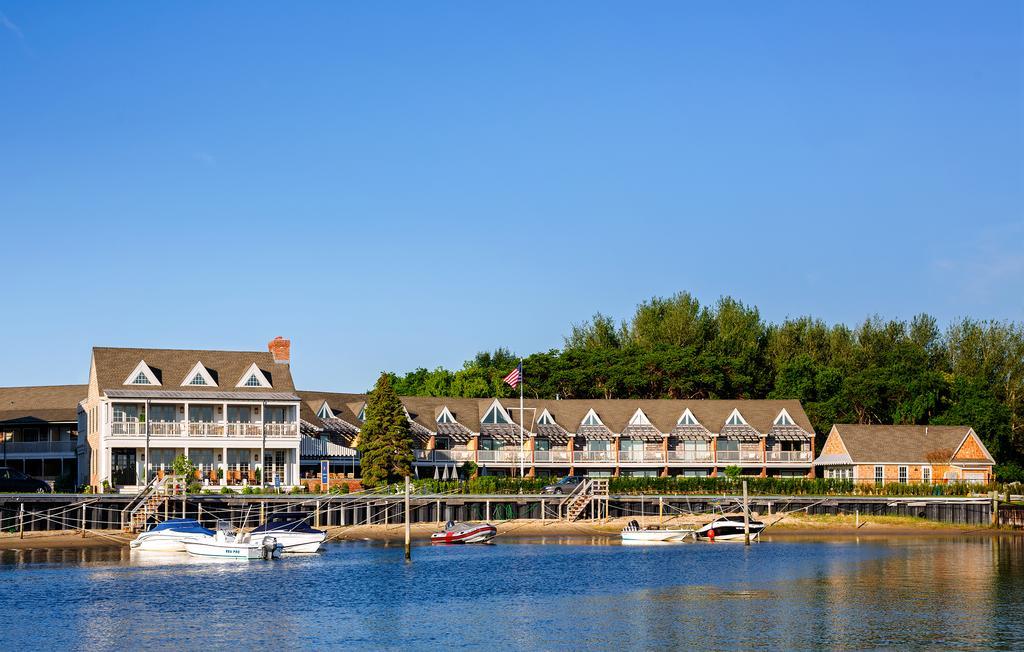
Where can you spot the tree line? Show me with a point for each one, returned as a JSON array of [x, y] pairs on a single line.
[[882, 371]]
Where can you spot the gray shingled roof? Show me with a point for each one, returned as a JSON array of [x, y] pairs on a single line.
[[50, 403], [171, 366], [869, 444]]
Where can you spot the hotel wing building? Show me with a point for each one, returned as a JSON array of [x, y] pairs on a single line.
[[616, 437], [235, 414]]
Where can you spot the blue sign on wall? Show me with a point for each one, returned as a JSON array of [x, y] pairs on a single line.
[[325, 475]]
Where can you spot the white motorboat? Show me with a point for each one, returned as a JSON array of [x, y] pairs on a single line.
[[170, 535], [728, 529], [634, 533], [226, 544], [455, 532], [292, 532]]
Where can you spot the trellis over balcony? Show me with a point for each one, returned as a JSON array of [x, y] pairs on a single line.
[[129, 419]]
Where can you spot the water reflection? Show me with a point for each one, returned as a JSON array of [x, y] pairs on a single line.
[[545, 592]]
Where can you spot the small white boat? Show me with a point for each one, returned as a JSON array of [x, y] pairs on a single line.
[[455, 532], [634, 533], [728, 529], [226, 544], [292, 532], [170, 535]]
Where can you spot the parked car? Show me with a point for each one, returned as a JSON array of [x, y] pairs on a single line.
[[17, 482], [564, 486]]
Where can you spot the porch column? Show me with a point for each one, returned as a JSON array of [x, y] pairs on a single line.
[[664, 455], [714, 456], [764, 456]]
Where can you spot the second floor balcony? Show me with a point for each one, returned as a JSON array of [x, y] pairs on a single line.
[[240, 430]]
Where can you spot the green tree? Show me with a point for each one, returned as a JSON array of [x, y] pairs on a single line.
[[385, 439]]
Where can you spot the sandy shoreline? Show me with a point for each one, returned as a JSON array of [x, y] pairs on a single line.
[[787, 527]]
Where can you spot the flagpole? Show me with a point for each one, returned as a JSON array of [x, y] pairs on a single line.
[[522, 413]]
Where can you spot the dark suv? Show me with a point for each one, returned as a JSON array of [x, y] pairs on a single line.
[[564, 486], [18, 482]]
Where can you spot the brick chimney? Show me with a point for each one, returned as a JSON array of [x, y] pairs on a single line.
[[280, 348]]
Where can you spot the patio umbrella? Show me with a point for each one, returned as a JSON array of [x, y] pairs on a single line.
[[435, 473], [446, 476]]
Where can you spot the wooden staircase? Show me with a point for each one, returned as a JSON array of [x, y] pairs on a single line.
[[576, 502], [146, 503]]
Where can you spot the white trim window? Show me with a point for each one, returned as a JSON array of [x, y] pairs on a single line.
[[199, 376], [687, 419], [904, 475], [879, 475], [736, 419], [639, 419], [253, 377], [496, 415], [784, 419], [545, 419], [445, 416], [141, 375], [926, 474], [591, 419], [362, 413], [325, 412]]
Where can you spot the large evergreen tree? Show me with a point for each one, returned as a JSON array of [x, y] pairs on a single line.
[[385, 439]]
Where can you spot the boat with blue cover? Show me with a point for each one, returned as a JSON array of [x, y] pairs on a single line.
[[170, 535]]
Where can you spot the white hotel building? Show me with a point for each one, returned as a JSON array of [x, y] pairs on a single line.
[[234, 414]]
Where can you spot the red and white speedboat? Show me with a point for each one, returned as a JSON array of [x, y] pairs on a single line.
[[454, 532]]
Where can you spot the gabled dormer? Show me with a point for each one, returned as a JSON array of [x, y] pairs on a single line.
[[142, 375], [783, 419], [736, 419], [496, 415], [199, 376], [591, 419], [545, 419], [687, 419], [445, 416], [325, 411], [253, 377], [639, 419], [362, 413]]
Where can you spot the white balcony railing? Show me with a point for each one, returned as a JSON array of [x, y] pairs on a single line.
[[789, 456], [203, 429], [638, 457], [690, 456], [551, 457], [446, 455], [17, 447], [739, 456], [507, 456], [593, 456]]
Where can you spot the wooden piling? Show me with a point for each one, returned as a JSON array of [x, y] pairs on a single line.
[[746, 516]]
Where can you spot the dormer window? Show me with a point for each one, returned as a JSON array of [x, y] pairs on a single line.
[[199, 376], [735, 419], [325, 412], [687, 419], [639, 419], [253, 377], [362, 413], [495, 415], [592, 419], [445, 416], [142, 375], [784, 419], [546, 419]]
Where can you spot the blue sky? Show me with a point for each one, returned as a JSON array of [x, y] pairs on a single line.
[[394, 185]]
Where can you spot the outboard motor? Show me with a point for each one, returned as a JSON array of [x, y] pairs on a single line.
[[269, 545]]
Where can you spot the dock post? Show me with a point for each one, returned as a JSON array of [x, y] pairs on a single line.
[[439, 521], [263, 513], [199, 513], [83, 520], [857, 516], [368, 519], [543, 509], [995, 508], [21, 521], [661, 511], [746, 516], [487, 515], [408, 526], [317, 526]]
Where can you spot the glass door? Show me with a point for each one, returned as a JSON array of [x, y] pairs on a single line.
[[122, 466]]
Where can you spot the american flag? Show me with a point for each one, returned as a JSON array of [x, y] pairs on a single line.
[[515, 377]]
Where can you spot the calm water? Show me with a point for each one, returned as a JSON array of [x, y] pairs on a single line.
[[570, 594]]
